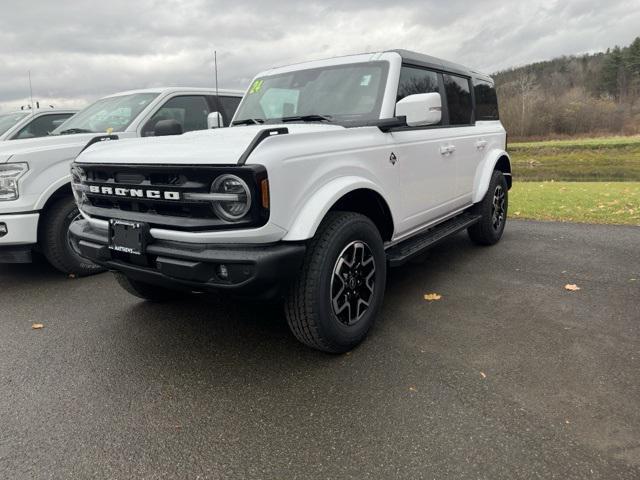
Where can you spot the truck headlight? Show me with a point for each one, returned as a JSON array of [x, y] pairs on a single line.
[[238, 197], [10, 173]]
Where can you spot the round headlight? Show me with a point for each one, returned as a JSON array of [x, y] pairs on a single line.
[[239, 201]]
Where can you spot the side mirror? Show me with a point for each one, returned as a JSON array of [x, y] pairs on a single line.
[[167, 127], [420, 109], [214, 120]]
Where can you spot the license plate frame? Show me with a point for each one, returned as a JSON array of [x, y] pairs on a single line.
[[128, 237]]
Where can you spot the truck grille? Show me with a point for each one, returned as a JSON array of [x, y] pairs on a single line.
[[155, 194]]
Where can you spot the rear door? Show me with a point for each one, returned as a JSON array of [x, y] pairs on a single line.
[[462, 135]]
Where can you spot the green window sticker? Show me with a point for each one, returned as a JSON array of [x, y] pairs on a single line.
[[366, 79], [256, 87]]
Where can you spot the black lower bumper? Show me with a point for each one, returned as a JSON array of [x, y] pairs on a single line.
[[16, 253], [244, 270]]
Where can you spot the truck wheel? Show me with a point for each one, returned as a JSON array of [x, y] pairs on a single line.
[[335, 299], [147, 291], [493, 211], [55, 242]]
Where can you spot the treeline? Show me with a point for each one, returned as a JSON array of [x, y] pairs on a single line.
[[594, 94]]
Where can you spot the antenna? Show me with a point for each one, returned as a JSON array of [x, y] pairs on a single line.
[[31, 92], [215, 68]]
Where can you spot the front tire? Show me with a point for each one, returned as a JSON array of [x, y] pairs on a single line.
[[334, 301], [493, 212], [55, 242]]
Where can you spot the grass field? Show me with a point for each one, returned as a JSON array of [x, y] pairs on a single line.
[[595, 159], [583, 202]]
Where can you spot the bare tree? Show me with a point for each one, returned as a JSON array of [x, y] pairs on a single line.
[[525, 85]]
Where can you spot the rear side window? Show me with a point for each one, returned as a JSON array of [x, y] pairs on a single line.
[[458, 99], [486, 100], [416, 80]]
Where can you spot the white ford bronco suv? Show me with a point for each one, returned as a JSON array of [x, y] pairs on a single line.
[[332, 171], [36, 202]]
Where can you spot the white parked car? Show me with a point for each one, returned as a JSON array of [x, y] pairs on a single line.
[[36, 202], [33, 123], [332, 171]]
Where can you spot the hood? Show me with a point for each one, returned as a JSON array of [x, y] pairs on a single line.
[[218, 146], [25, 149]]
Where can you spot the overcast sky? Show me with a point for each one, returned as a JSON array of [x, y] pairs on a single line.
[[78, 51]]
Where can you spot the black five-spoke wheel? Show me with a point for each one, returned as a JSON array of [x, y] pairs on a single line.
[[353, 282], [498, 211]]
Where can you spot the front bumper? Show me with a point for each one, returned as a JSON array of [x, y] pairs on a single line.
[[18, 235], [253, 271]]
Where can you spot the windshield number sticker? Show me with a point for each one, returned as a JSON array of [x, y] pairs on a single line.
[[256, 87]]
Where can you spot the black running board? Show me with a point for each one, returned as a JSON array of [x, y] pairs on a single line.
[[404, 251]]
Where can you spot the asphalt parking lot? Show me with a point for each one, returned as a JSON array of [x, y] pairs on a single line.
[[509, 375]]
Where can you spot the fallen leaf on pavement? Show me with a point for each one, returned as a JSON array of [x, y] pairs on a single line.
[[37, 326], [572, 287], [430, 297]]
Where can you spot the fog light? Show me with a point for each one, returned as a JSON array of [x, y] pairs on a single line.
[[3, 229], [223, 272]]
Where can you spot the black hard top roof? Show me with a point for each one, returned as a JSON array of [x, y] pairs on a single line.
[[422, 60]]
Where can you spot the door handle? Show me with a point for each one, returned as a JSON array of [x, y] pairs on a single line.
[[481, 144], [447, 149]]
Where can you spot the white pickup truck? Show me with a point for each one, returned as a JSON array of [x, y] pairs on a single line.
[[332, 171], [36, 202], [31, 123]]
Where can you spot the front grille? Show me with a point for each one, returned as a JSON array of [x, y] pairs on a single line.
[[171, 181]]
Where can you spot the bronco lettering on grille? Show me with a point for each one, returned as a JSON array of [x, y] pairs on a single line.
[[135, 193]]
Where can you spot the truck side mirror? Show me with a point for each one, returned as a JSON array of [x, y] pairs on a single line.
[[214, 120], [167, 127], [420, 109]]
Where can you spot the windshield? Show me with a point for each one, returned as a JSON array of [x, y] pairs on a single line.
[[8, 120], [339, 93], [116, 113]]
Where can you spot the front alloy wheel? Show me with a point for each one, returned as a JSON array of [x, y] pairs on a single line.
[[353, 282]]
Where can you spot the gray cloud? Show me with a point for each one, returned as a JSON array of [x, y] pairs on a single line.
[[78, 51]]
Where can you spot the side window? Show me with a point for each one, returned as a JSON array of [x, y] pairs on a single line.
[[190, 111], [42, 125], [416, 80], [486, 100], [458, 99], [229, 105]]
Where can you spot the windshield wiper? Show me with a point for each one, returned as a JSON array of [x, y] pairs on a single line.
[[248, 121], [75, 130], [308, 118]]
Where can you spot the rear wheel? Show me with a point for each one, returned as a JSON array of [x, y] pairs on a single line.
[[147, 291], [334, 301], [55, 241], [493, 212]]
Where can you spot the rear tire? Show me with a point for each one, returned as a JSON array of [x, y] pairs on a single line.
[[147, 291], [335, 299], [493, 212], [54, 239]]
